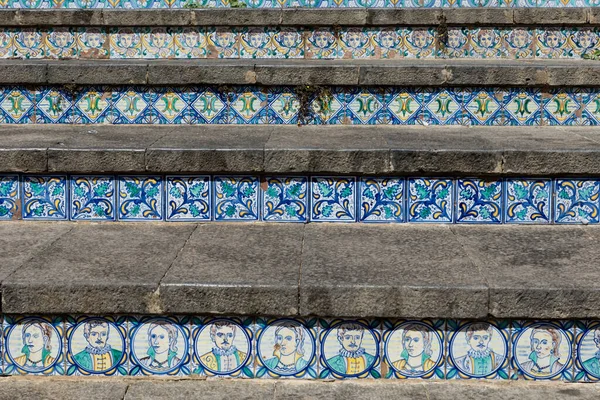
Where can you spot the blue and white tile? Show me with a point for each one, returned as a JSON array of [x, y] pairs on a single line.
[[140, 198], [587, 351], [590, 106], [561, 107], [333, 199], [10, 199], [170, 105], [576, 201], [523, 107], [284, 107], [483, 106], [208, 106], [53, 105], [528, 201], [236, 198], [285, 199], [404, 105], [442, 107], [430, 200], [44, 197], [248, 106], [298, 336], [382, 199], [328, 106], [188, 198], [542, 350], [92, 105], [93, 198], [131, 105], [364, 105], [479, 201], [17, 105]]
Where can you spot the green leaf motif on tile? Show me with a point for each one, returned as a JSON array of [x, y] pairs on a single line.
[[582, 213], [99, 211], [132, 189], [194, 210], [3, 211], [368, 194], [422, 191], [230, 211], [485, 213], [521, 214], [37, 188], [488, 192], [38, 211], [175, 193], [346, 192], [248, 372], [325, 189], [58, 190], [79, 192], [101, 189], [248, 191], [197, 189], [466, 194], [375, 374], [586, 193], [580, 376], [442, 194], [521, 191], [388, 212], [135, 210], [424, 212], [439, 373], [152, 192], [452, 373], [227, 189], [327, 210], [541, 195], [261, 372], [291, 211], [502, 373], [5, 188], [294, 191], [72, 369], [563, 194], [272, 192], [390, 192]]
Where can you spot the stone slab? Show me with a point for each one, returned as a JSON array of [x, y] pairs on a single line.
[[63, 389], [236, 268], [96, 268], [388, 271]]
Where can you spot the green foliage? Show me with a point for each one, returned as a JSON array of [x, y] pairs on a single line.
[[37, 188], [325, 189], [227, 189], [346, 192], [294, 190], [327, 210], [197, 189], [5, 188], [485, 213], [422, 191], [152, 192], [594, 55], [521, 192], [194, 210], [102, 189], [132, 189], [488, 192], [3, 211], [175, 193]]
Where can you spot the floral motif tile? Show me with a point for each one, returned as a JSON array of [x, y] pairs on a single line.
[[6, 42], [92, 43], [430, 200], [542, 350], [209, 106], [140, 198], [93, 198], [587, 351], [159, 346], [349, 349], [322, 43], [131, 105], [284, 105], [29, 44], [17, 105], [33, 346], [576, 201], [223, 42], [96, 346], [403, 106], [189, 42], [478, 350], [357, 43], [157, 42], [520, 43], [222, 347], [188, 198], [236, 198], [590, 106], [479, 201], [365, 105], [286, 348], [522, 107], [248, 106], [442, 107], [418, 43], [126, 43], [483, 106], [487, 43], [528, 201], [414, 349], [92, 105], [170, 105], [560, 107], [60, 43], [328, 106], [382, 200], [44, 197], [10, 199], [333, 199], [552, 43], [285, 199], [53, 105]]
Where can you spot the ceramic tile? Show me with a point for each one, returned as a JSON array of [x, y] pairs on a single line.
[[29, 44], [284, 106], [285, 199], [286, 348], [479, 201], [17, 105], [189, 42], [223, 42], [10, 199], [255, 42], [222, 347], [528, 201], [389, 43], [364, 105], [382, 200], [414, 349], [576, 201], [487, 43], [590, 106], [357, 43], [423, 3], [542, 350], [403, 106], [87, 4], [131, 105], [60, 43], [96, 346], [349, 349], [140, 198], [418, 43], [249, 106], [53, 105], [159, 346], [430, 200], [92, 105], [520, 43], [483, 106], [587, 351], [322, 43], [583, 41], [126, 43], [560, 107], [327, 106], [170, 105], [209, 106], [443, 107], [92, 198], [157, 42], [259, 3], [333, 199], [92, 43], [287, 42], [188, 198], [552, 43], [522, 107], [44, 197], [6, 42], [236, 198], [478, 350], [40, 335], [455, 44]]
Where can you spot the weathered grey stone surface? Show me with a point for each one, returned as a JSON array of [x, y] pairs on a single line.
[[404, 16], [27, 71], [236, 268], [365, 270], [485, 16], [551, 16], [96, 268], [62, 389], [307, 72], [212, 72], [225, 389], [97, 72]]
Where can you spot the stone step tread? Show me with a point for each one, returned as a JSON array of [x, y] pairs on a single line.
[[573, 16], [397, 150], [404, 72], [131, 389], [341, 270]]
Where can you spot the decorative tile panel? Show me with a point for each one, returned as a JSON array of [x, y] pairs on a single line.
[[587, 351], [140, 198], [92, 105], [10, 199], [236, 198], [17, 105], [92, 43], [429, 200], [576, 201], [285, 199], [61, 43], [528, 201], [189, 42], [262, 4], [44, 197], [333, 199], [479, 201], [382, 200], [93, 198], [188, 198]]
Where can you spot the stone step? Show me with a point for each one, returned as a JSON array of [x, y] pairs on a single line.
[[291, 270], [128, 389]]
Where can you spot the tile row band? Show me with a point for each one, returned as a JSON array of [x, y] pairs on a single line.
[[147, 4], [280, 105], [300, 199], [248, 347], [298, 43]]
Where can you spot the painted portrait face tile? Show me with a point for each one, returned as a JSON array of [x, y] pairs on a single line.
[[285, 199], [61, 43], [255, 42], [236, 198], [157, 42], [552, 43], [576, 201], [33, 346], [10, 198], [456, 43], [389, 43], [286, 348], [188, 198], [528, 201], [520, 43], [418, 43], [159, 346], [29, 44], [126, 43], [6, 42], [478, 350], [44, 197], [583, 41], [223, 42], [189, 42], [382, 200], [357, 43], [414, 349], [486, 43], [350, 349], [93, 198], [542, 350], [333, 199], [140, 198], [287, 42], [96, 346], [222, 347], [587, 352], [322, 43], [479, 201], [429, 200]]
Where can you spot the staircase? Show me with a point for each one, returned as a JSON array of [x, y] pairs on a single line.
[[333, 199]]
